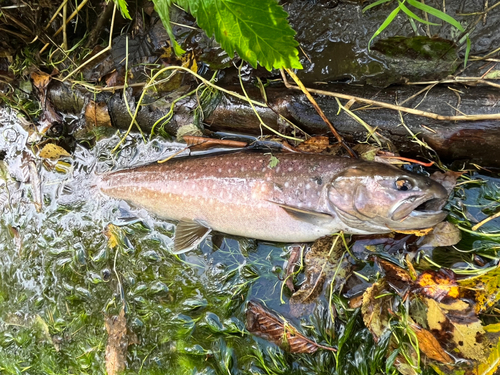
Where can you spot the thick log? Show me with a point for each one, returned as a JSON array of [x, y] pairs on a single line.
[[473, 141]]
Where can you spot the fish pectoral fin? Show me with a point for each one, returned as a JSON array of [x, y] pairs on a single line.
[[189, 234], [315, 218], [349, 219]]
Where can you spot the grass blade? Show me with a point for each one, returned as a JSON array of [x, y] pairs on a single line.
[[436, 13], [386, 23], [378, 2], [410, 14]]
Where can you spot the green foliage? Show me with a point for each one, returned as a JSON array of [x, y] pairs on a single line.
[[259, 32], [163, 9], [412, 16], [122, 5]]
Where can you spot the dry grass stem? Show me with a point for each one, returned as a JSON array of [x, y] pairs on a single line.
[[305, 90], [493, 116], [101, 52]]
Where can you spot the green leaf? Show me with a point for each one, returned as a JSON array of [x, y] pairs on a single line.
[[258, 30], [163, 9], [436, 13], [410, 14], [378, 2], [122, 5], [386, 23]]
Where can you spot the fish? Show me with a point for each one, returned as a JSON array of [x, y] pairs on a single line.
[[288, 197]]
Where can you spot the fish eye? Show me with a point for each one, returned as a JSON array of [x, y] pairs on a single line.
[[403, 184]]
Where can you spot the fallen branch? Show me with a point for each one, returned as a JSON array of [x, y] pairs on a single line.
[[494, 116]]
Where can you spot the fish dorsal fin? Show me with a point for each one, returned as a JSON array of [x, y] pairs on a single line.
[[312, 217], [189, 234]]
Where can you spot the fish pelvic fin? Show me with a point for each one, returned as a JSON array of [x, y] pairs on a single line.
[[189, 234]]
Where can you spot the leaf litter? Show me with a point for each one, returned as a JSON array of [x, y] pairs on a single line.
[[267, 325]]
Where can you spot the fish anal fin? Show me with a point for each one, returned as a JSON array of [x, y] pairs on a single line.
[[189, 234], [312, 217]]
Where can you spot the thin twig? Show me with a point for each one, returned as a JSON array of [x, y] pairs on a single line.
[[318, 109], [101, 52], [482, 222], [262, 123], [56, 13], [152, 83], [73, 15], [65, 34]]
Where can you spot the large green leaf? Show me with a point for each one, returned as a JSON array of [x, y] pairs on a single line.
[[257, 30]]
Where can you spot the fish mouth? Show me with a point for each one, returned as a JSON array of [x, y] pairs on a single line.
[[425, 208]]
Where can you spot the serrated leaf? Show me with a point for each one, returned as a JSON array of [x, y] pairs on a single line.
[[490, 366], [429, 345], [122, 5], [258, 31]]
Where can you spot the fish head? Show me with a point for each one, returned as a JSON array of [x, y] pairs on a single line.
[[378, 198]]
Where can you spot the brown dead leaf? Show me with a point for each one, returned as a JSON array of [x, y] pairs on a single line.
[[295, 256], [486, 288], [40, 79], [447, 179], [49, 115], [437, 285], [393, 271], [116, 348], [265, 324], [356, 302], [375, 310], [314, 145], [444, 234], [428, 344], [467, 336], [96, 114], [322, 263], [115, 78], [53, 152], [398, 278], [203, 143]]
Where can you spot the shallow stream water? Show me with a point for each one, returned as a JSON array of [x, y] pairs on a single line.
[[60, 278]]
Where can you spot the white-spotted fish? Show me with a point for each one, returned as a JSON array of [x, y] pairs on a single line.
[[301, 198]]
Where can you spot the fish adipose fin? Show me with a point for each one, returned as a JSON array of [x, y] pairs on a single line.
[[312, 217], [189, 234]]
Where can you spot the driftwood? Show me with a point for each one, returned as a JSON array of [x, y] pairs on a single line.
[[473, 141]]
